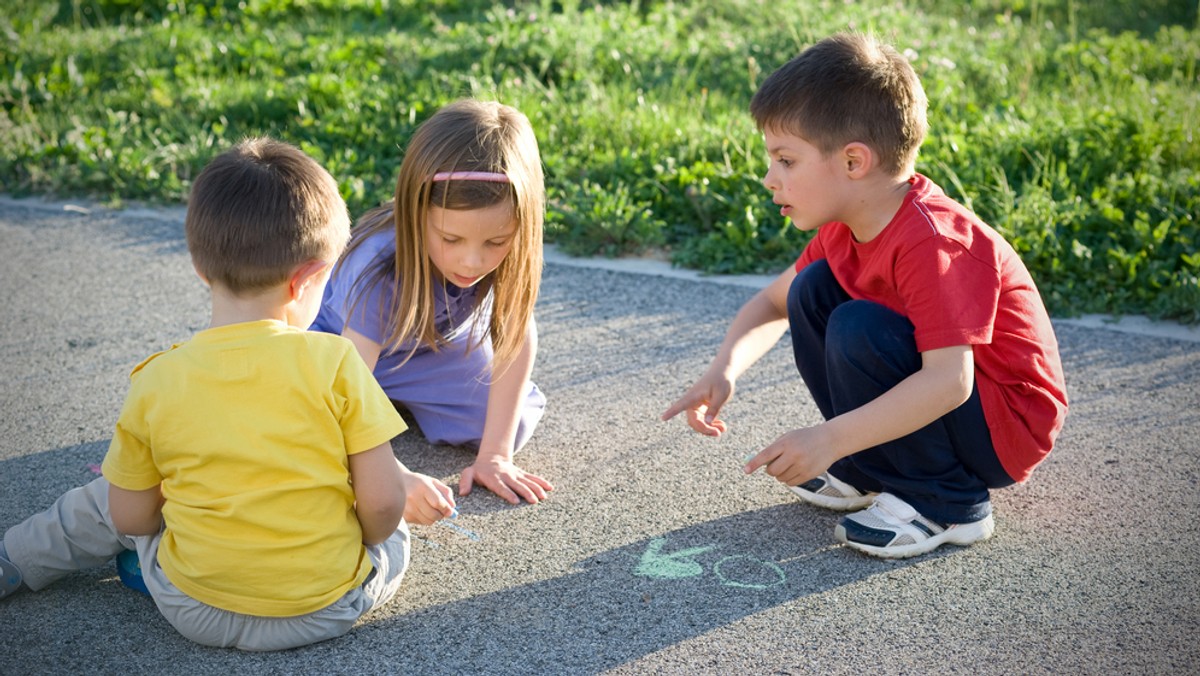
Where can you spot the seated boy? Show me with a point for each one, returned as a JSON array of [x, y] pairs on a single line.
[[251, 467], [915, 326]]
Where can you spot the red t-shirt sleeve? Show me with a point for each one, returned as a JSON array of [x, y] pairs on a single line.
[[949, 294]]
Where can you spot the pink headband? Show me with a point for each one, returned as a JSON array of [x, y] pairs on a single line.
[[488, 176]]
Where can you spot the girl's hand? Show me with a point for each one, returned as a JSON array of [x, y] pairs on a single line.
[[428, 501], [506, 480]]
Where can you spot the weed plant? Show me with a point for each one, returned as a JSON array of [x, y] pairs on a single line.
[[1067, 125]]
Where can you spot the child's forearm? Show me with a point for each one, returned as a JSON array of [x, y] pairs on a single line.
[[942, 385], [379, 492], [506, 396], [755, 329]]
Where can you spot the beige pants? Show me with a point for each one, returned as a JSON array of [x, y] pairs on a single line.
[[77, 533]]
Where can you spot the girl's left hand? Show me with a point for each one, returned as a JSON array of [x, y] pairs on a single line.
[[506, 480]]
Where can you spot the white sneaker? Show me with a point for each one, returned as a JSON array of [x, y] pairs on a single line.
[[831, 492], [892, 529]]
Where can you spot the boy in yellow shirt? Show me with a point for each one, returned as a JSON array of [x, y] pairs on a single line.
[[251, 467]]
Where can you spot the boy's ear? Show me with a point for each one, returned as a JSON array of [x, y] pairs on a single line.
[[201, 276], [858, 159], [304, 275]]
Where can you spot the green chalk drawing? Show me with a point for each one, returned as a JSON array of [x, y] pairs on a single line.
[[774, 573], [669, 566], [738, 571]]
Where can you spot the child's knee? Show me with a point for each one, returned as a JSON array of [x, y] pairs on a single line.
[[810, 286], [862, 330]]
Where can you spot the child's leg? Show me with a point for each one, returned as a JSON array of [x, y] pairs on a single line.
[[74, 534], [850, 352], [934, 469], [390, 559], [812, 298], [447, 393]]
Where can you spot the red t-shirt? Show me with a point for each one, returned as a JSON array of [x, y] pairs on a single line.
[[960, 283]]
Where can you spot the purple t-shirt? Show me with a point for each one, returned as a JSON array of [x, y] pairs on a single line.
[[352, 301]]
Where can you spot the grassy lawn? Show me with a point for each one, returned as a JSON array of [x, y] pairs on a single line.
[[1067, 125]]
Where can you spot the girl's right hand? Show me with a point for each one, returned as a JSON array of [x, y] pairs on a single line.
[[428, 501]]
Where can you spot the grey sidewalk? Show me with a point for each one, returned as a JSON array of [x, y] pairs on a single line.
[[655, 554]]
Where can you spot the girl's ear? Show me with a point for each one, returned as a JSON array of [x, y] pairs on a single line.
[[858, 159], [304, 276]]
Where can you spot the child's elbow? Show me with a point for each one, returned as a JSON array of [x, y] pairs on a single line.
[[379, 519], [133, 526], [962, 388]]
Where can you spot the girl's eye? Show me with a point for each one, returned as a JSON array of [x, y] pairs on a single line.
[[502, 242], [450, 240]]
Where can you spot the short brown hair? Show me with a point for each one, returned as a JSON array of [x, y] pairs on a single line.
[[848, 87], [259, 210]]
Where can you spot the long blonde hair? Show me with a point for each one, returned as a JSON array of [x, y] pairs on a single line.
[[466, 135]]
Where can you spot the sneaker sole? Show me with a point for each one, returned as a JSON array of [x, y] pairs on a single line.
[[962, 535], [836, 504]]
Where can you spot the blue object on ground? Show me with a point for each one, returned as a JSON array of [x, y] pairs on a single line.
[[129, 569]]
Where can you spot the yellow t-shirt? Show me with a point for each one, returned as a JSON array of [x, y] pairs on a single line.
[[248, 428]]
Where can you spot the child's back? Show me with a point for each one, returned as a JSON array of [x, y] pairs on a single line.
[[251, 467], [247, 427]]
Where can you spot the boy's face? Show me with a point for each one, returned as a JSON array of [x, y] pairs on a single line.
[[465, 245], [804, 182]]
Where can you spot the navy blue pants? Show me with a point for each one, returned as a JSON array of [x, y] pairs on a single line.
[[851, 351]]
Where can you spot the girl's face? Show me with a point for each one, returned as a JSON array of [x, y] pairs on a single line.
[[466, 245]]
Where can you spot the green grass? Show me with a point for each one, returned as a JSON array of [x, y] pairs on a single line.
[[1067, 125]]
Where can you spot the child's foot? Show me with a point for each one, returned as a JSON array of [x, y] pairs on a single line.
[[10, 577], [831, 492], [892, 529]]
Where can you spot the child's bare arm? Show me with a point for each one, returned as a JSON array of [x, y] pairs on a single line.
[[493, 466], [379, 492], [755, 329], [942, 384], [136, 512], [368, 349]]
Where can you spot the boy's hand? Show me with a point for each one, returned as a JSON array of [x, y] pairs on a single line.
[[428, 500], [504, 479], [797, 456], [703, 402]]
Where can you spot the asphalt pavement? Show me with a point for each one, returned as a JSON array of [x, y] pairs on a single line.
[[655, 554]]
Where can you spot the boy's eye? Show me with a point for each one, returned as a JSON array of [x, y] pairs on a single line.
[[785, 163]]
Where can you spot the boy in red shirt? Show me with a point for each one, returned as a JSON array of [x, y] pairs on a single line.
[[915, 326]]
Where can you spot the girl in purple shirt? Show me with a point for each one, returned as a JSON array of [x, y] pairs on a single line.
[[437, 289]]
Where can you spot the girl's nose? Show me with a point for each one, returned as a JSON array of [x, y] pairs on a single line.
[[473, 258]]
